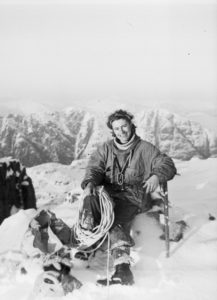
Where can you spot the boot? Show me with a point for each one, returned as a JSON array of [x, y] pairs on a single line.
[[82, 255], [56, 282], [122, 275], [57, 271]]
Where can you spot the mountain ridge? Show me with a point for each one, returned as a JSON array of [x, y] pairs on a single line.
[[69, 134]]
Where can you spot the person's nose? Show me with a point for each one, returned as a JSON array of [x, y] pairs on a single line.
[[121, 130]]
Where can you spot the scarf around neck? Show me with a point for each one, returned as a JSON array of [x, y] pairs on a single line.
[[125, 146]]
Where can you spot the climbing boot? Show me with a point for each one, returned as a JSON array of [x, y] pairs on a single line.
[[82, 255], [57, 270], [122, 275]]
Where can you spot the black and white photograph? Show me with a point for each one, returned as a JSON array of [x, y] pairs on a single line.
[[108, 149]]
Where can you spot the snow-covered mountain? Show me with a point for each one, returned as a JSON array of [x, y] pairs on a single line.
[[175, 135], [70, 134], [48, 137]]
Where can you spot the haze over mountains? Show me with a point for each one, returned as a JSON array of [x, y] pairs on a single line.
[[65, 135]]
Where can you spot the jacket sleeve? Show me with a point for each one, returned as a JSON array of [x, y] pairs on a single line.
[[96, 167], [162, 165]]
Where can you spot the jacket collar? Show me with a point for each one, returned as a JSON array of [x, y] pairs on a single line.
[[131, 144]]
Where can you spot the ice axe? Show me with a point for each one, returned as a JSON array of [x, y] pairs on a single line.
[[162, 193], [166, 218]]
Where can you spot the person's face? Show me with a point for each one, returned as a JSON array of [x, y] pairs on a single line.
[[122, 130]]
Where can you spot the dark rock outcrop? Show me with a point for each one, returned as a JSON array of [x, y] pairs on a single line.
[[16, 188]]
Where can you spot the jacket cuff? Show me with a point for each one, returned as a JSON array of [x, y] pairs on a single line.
[[160, 176], [85, 183]]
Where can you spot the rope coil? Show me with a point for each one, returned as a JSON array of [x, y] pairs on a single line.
[[88, 238]]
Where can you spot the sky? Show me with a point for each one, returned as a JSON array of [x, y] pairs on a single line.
[[99, 52]]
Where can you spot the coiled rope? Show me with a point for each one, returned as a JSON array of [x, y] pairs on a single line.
[[88, 238]]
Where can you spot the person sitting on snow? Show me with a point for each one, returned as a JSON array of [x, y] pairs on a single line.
[[130, 169]]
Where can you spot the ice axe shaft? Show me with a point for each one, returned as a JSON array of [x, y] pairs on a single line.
[[166, 219]]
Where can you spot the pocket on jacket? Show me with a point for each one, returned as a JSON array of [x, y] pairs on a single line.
[[133, 175]]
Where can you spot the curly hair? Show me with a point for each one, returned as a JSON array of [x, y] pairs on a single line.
[[121, 114]]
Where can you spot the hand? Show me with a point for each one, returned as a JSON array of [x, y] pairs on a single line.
[[151, 184], [158, 194], [90, 189]]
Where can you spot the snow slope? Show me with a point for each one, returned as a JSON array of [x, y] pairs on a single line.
[[190, 272]]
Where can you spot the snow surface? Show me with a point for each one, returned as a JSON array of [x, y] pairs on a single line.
[[190, 272]]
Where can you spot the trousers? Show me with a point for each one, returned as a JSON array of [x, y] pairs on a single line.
[[124, 214]]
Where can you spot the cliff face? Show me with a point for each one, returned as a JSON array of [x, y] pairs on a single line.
[[176, 136], [16, 188], [73, 134], [51, 137]]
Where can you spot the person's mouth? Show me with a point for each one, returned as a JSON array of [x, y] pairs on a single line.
[[123, 137]]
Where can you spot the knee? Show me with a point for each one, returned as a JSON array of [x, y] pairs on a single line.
[[119, 237], [90, 199]]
